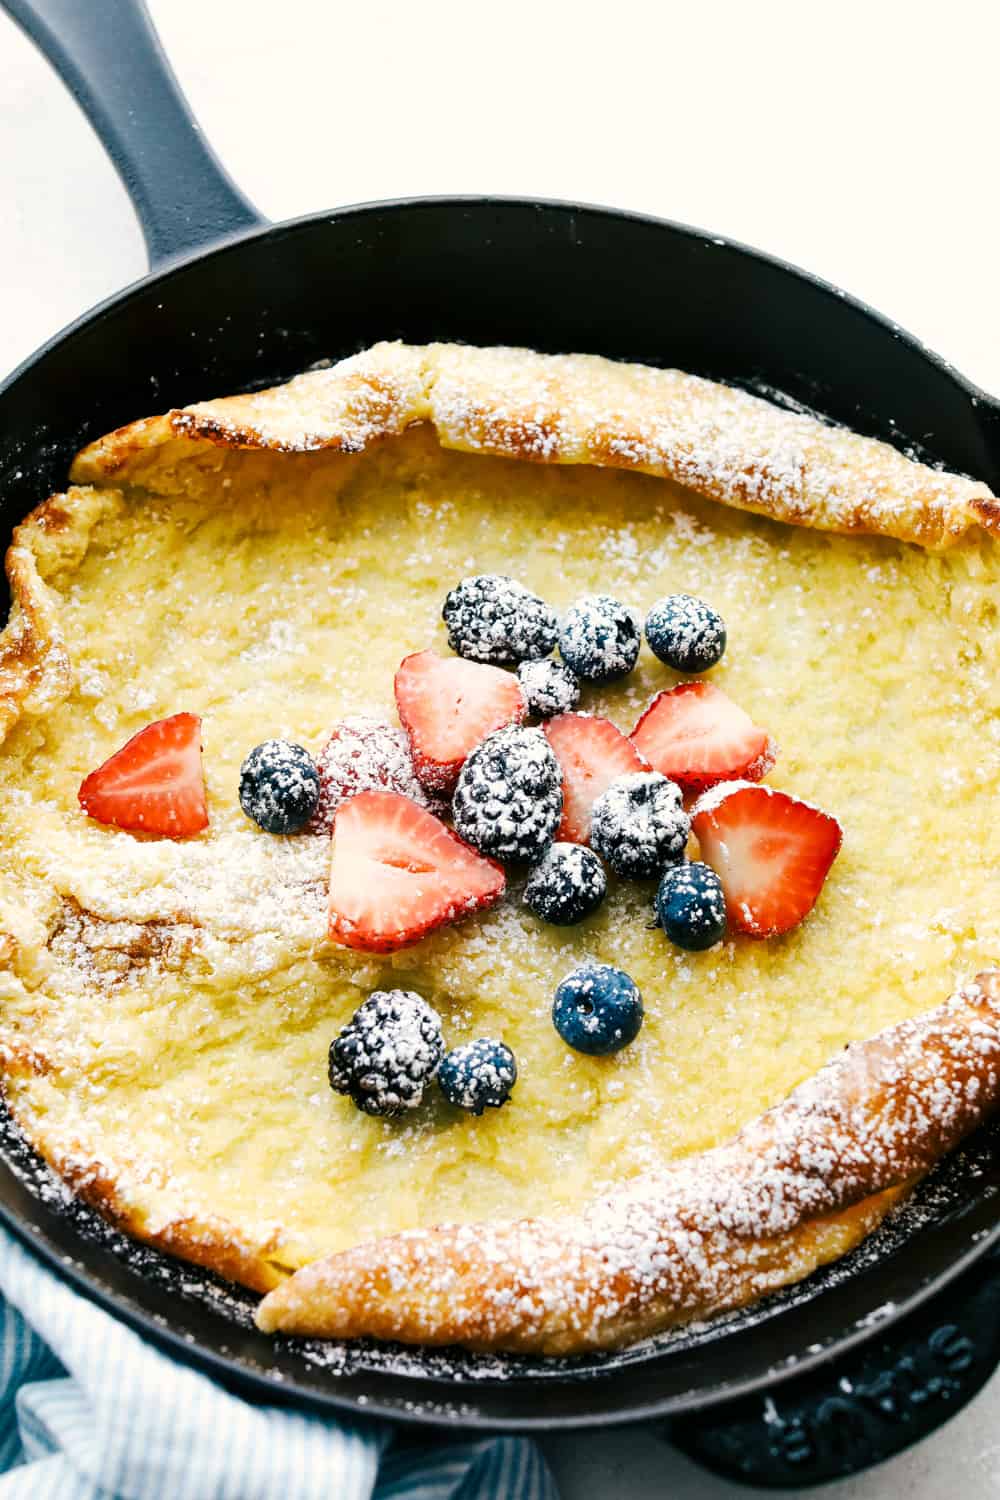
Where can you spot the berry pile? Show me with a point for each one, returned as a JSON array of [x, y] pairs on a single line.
[[393, 1047], [569, 800]]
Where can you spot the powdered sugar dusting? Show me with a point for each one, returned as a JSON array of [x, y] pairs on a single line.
[[364, 754], [705, 1233]]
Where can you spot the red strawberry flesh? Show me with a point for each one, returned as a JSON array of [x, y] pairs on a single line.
[[592, 753], [697, 735], [398, 873], [448, 706], [154, 783], [771, 851]]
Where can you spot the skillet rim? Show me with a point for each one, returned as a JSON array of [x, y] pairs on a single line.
[[421, 1405], [284, 1389], [186, 260]]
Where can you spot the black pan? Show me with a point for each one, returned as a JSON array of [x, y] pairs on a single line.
[[263, 302]]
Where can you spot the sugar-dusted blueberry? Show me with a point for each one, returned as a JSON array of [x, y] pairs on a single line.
[[508, 800], [493, 618], [478, 1075], [279, 786], [549, 687], [387, 1053], [566, 885], [597, 1009], [599, 638], [639, 824], [691, 906], [686, 633]]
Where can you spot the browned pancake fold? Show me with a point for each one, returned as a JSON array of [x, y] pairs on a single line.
[[796, 1188]]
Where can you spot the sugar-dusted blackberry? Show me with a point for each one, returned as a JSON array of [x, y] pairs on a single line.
[[508, 801], [599, 638], [566, 885], [279, 786], [478, 1075], [639, 824], [691, 906], [549, 687], [388, 1053], [597, 1009], [686, 633], [493, 618]]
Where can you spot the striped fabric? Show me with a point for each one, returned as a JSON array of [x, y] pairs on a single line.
[[91, 1411]]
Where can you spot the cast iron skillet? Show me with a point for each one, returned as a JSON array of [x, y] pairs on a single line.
[[877, 1362]]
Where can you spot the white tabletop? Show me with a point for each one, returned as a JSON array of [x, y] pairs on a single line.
[[859, 140]]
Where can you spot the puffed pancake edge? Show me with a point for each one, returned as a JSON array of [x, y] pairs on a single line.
[[797, 1187]]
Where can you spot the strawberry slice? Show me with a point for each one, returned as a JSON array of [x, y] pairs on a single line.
[[592, 753], [771, 852], [398, 873], [154, 783], [697, 736], [447, 705]]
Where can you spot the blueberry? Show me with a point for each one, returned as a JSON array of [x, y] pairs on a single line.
[[549, 688], [567, 885], [508, 800], [492, 618], [690, 906], [599, 638], [597, 1009], [478, 1075], [686, 633], [639, 824], [387, 1053], [279, 786]]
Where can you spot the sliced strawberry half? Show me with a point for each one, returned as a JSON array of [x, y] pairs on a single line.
[[154, 783], [592, 753], [447, 705], [697, 736], [771, 852], [398, 873]]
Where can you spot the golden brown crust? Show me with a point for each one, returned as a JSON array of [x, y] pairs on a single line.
[[35, 670], [212, 1241], [796, 1187], [727, 445]]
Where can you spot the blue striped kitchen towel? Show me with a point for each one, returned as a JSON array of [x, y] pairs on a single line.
[[90, 1411]]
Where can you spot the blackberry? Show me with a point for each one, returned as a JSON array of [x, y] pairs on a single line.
[[567, 885], [508, 801], [492, 618], [597, 1010], [388, 1053], [686, 633], [691, 907], [549, 688], [478, 1075], [599, 638], [639, 824], [279, 786]]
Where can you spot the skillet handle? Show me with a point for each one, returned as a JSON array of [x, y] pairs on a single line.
[[865, 1406], [110, 59]]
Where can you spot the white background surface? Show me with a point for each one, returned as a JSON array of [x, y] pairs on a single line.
[[859, 140]]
